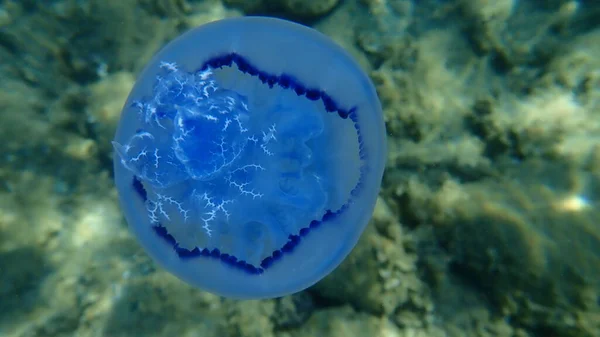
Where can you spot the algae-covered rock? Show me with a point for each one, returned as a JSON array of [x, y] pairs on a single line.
[[346, 322], [297, 9], [534, 249], [380, 276]]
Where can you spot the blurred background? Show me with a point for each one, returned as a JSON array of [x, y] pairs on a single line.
[[488, 221]]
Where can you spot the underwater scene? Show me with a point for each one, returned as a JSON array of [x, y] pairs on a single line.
[[300, 168]]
